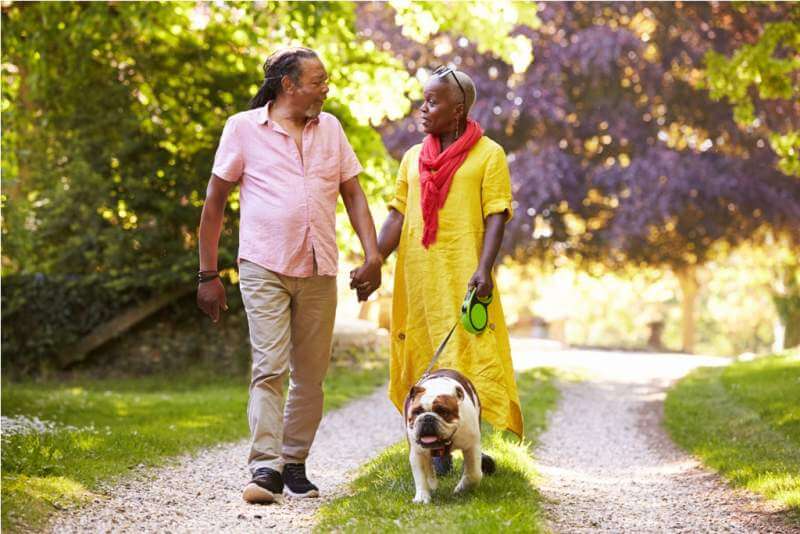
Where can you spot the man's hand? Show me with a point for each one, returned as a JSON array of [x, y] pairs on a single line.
[[482, 279], [366, 278], [211, 297]]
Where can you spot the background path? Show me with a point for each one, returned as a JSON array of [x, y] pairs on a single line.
[[203, 493], [609, 465]]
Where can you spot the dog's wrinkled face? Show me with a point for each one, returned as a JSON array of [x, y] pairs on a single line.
[[432, 416]]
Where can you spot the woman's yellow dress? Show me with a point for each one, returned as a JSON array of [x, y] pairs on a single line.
[[430, 285]]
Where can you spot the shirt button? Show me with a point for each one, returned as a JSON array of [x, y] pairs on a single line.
[[491, 326], [401, 336]]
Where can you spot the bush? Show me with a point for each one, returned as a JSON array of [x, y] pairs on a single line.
[[43, 315]]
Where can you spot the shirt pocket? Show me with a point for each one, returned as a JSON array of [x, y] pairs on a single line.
[[327, 165]]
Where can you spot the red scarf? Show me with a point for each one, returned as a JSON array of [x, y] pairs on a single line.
[[436, 170]]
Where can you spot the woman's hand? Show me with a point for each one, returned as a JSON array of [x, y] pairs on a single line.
[[482, 279], [366, 278]]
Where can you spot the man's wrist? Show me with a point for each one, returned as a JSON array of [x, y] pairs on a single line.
[[375, 258], [206, 275]]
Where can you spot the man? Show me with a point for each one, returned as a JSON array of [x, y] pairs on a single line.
[[291, 161]]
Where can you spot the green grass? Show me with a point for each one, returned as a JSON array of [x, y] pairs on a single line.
[[121, 424], [506, 501], [744, 422]]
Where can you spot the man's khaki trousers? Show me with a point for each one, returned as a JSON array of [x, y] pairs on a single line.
[[291, 329]]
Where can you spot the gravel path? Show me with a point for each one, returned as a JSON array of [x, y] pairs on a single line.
[[608, 464], [202, 493]]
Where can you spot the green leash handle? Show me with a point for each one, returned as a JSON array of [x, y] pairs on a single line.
[[475, 312], [474, 319]]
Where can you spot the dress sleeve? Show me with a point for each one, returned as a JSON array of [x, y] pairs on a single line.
[[496, 186], [401, 186]]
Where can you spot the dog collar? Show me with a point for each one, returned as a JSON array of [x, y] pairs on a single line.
[[443, 451]]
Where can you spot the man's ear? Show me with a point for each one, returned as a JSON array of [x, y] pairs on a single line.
[[287, 84], [459, 393]]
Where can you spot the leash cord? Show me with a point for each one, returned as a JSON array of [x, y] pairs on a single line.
[[439, 351]]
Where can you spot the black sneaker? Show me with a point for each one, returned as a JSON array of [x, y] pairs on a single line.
[[297, 485], [266, 484], [443, 464]]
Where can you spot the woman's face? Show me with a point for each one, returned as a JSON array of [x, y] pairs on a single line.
[[440, 108]]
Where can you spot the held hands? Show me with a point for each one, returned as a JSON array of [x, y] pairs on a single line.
[[482, 280], [366, 278]]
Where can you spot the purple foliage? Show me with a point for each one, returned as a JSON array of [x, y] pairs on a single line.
[[595, 52], [683, 202], [540, 182], [591, 80], [544, 179]]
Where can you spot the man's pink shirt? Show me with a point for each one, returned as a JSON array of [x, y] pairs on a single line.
[[287, 202]]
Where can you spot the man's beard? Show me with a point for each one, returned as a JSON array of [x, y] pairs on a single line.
[[313, 111]]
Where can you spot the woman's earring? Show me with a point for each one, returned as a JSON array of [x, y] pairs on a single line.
[[457, 132]]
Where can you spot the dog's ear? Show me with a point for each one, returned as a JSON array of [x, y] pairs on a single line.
[[415, 390], [459, 393]]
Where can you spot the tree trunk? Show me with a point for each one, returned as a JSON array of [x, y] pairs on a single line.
[[15, 189], [654, 341], [687, 277], [791, 337], [119, 325], [788, 306], [786, 297]]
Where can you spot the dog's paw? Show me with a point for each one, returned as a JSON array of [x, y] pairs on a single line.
[[463, 485], [422, 497], [433, 482]]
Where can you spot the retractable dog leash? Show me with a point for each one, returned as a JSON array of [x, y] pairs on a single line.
[[475, 312], [474, 318]]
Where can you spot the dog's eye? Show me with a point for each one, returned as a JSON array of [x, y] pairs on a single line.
[[416, 411], [440, 410]]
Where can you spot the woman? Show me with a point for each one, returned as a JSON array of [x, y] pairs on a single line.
[[452, 202]]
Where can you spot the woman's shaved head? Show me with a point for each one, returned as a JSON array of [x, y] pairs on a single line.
[[467, 85], [448, 97]]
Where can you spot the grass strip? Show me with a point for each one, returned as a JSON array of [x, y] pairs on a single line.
[[744, 422], [103, 428], [506, 501]]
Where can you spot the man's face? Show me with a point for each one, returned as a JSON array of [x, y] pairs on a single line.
[[311, 89], [439, 108]]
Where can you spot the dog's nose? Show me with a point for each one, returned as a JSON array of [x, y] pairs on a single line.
[[429, 419]]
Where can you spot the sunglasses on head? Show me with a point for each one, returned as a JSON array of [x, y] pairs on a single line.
[[443, 71]]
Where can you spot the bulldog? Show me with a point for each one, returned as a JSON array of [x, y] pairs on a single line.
[[442, 412]]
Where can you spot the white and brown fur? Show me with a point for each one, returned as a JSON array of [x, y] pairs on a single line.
[[444, 402]]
